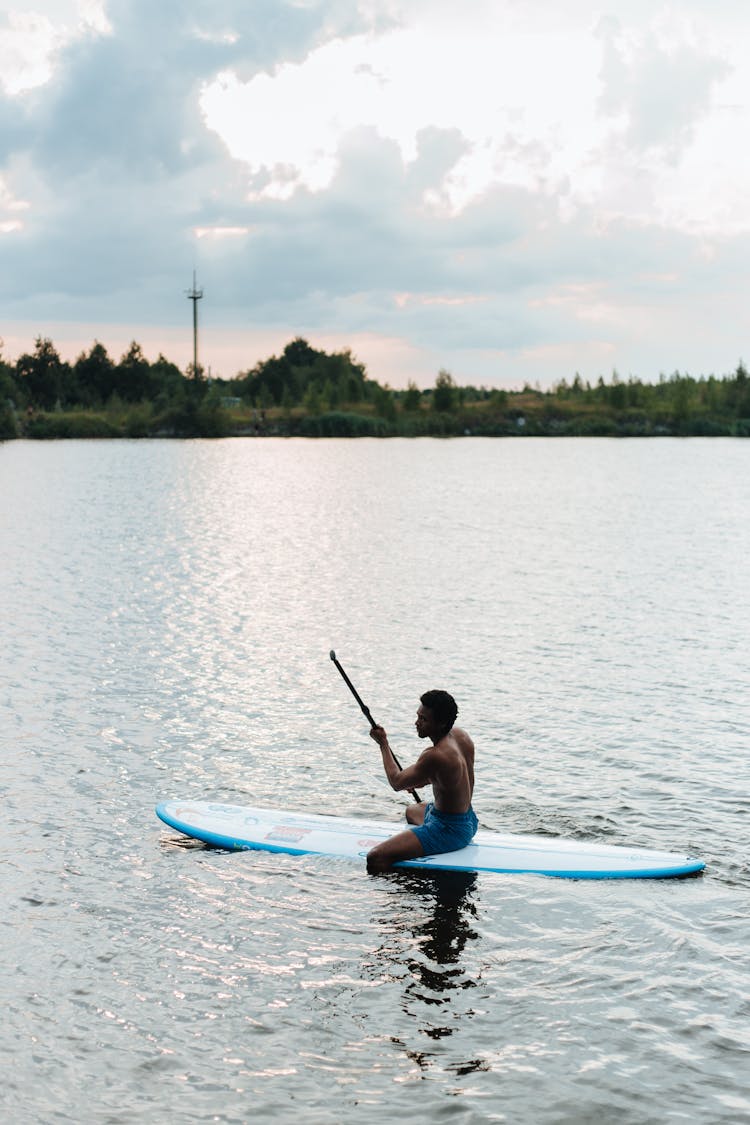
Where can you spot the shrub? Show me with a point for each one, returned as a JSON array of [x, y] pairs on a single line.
[[8, 423], [138, 422], [51, 426], [339, 423]]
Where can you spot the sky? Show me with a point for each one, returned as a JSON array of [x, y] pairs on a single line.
[[513, 191]]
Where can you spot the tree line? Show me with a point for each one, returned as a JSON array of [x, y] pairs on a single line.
[[311, 392]]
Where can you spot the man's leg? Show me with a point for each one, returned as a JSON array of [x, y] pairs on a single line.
[[415, 813], [405, 845]]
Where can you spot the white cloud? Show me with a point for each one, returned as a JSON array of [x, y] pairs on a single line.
[[482, 83], [27, 45], [516, 195], [605, 114], [220, 232], [34, 35]]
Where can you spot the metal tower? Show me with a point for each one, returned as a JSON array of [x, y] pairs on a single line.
[[195, 295]]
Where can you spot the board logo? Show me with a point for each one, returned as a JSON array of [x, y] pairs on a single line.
[[286, 835]]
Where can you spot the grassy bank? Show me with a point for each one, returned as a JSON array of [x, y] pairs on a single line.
[[525, 415], [309, 393]]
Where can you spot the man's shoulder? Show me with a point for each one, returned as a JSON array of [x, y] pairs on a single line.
[[456, 738]]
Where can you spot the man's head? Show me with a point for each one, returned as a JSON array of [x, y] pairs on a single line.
[[437, 714]]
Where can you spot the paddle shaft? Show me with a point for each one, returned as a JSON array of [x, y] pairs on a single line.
[[366, 712]]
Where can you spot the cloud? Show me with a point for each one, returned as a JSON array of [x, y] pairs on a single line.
[[486, 195], [661, 89], [113, 155]]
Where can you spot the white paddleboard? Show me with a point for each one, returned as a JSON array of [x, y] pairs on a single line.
[[240, 828]]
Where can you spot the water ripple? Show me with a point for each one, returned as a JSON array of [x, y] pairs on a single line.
[[172, 607]]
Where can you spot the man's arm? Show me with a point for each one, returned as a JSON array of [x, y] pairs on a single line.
[[410, 777]]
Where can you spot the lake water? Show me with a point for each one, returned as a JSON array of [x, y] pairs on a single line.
[[167, 613]]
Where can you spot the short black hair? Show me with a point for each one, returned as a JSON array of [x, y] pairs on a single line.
[[442, 706]]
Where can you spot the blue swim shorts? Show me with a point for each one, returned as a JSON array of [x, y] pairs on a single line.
[[445, 832]]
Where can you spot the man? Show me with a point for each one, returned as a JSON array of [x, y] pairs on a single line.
[[448, 821]]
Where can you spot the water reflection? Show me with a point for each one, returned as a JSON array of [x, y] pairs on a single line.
[[444, 931], [428, 921]]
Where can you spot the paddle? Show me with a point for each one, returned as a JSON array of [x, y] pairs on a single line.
[[366, 712]]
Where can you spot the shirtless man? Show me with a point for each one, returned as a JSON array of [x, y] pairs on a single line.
[[448, 822]]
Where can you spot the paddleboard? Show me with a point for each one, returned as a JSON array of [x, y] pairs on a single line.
[[270, 830]]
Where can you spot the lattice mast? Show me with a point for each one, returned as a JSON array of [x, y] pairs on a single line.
[[195, 295]]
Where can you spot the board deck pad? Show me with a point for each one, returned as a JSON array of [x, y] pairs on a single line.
[[246, 828]]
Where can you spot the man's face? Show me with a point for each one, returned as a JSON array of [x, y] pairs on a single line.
[[425, 723]]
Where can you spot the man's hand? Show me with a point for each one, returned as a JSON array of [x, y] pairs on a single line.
[[392, 766], [378, 735]]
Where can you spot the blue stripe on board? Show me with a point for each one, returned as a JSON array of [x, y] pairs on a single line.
[[215, 839]]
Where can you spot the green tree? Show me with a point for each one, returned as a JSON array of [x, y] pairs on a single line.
[[134, 381], [313, 400], [681, 402], [8, 423], [272, 376], [95, 375], [288, 377], [412, 398], [444, 395], [299, 353], [9, 389], [43, 375], [385, 403], [742, 384], [8, 401], [287, 402], [331, 394], [167, 381], [710, 395], [618, 393]]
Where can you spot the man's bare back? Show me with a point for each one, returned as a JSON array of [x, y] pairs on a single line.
[[448, 766], [451, 764]]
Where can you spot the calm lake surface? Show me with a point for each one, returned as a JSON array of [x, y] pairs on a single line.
[[167, 613]]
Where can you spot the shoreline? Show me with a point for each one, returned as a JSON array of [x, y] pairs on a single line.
[[219, 423]]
